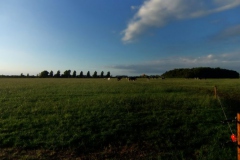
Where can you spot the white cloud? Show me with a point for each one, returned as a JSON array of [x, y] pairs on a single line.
[[157, 13], [227, 61]]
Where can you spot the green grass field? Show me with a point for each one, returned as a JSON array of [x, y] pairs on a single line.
[[100, 119]]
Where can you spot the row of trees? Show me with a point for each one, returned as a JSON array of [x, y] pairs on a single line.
[[201, 72], [67, 74]]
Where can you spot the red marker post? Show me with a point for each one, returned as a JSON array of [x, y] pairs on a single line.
[[234, 138]]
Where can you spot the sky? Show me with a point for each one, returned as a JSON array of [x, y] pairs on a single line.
[[124, 37]]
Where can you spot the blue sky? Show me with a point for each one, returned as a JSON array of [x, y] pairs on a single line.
[[130, 37]]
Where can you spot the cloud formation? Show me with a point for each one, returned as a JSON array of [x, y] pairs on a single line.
[[157, 13], [227, 61], [233, 31]]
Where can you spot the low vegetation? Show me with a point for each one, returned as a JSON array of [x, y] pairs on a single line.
[[101, 119]]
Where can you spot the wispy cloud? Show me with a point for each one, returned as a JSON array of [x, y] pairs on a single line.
[[228, 61], [134, 7], [157, 13], [231, 32]]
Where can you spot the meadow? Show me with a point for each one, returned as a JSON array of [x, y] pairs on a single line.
[[47, 118]]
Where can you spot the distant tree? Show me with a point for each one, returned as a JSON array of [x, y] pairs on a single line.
[[44, 74], [67, 74], [57, 74], [81, 74], [102, 74], [95, 74], [28, 75], [108, 74], [22, 75], [74, 74], [51, 74], [88, 74]]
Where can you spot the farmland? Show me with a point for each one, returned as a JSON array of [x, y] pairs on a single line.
[[100, 119]]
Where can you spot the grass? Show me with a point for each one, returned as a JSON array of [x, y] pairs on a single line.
[[100, 119]]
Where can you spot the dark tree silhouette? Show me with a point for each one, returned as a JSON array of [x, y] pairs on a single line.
[[57, 74], [81, 74], [201, 72], [51, 74], [74, 74], [67, 74], [95, 74], [44, 74], [88, 74], [108, 74], [102, 74]]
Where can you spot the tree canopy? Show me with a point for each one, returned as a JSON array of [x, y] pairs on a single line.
[[44, 74], [201, 72]]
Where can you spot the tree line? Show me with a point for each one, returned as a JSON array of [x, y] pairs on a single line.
[[67, 74], [201, 72]]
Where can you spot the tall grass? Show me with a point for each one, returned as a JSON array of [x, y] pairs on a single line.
[[158, 119]]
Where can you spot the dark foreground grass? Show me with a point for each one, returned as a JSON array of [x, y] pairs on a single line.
[[100, 119]]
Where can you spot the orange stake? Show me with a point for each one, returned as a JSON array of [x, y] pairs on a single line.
[[238, 135]]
